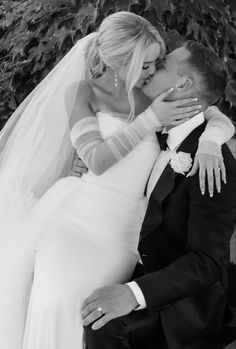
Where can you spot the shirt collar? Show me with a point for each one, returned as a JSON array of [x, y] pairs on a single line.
[[178, 133]]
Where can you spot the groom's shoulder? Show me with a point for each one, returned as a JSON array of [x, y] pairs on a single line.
[[229, 159], [190, 143]]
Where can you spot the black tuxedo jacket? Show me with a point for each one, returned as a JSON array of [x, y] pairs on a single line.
[[185, 250]]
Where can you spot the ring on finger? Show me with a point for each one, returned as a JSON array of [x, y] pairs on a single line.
[[100, 310], [218, 169]]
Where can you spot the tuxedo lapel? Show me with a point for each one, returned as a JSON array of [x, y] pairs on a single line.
[[166, 182], [164, 185], [190, 143]]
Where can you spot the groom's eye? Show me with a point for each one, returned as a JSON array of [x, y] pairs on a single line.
[[160, 64], [145, 67]]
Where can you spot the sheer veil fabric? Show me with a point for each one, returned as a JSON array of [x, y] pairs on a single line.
[[35, 151], [35, 144]]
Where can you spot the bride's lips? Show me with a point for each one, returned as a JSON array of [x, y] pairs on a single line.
[[148, 80]]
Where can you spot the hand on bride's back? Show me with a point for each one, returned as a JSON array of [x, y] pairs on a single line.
[[174, 112], [78, 167]]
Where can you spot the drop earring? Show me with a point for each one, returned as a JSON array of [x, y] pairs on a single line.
[[116, 80]]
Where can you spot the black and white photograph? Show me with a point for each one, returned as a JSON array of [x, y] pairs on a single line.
[[117, 174]]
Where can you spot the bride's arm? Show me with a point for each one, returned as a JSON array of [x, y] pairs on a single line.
[[100, 154], [218, 131]]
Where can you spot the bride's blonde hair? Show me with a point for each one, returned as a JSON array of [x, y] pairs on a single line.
[[122, 39]]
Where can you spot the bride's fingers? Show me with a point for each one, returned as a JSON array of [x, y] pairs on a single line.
[[88, 308], [219, 173], [94, 315], [202, 179], [102, 321], [180, 119], [195, 167], [186, 110], [210, 181], [223, 170], [182, 102], [188, 115], [217, 176], [92, 298]]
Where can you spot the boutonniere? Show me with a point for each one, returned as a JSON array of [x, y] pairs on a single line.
[[181, 162]]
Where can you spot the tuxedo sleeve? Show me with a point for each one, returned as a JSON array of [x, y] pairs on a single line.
[[210, 226]]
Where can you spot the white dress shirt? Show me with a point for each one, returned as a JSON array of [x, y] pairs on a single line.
[[176, 136]]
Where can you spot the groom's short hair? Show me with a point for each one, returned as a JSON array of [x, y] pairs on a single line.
[[211, 67]]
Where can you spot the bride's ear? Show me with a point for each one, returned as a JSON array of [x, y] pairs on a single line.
[[183, 84]]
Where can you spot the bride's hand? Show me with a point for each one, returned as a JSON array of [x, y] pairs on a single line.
[[210, 167], [174, 112]]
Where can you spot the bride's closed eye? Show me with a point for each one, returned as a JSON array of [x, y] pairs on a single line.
[[145, 67]]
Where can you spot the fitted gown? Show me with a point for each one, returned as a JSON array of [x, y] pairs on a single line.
[[89, 232]]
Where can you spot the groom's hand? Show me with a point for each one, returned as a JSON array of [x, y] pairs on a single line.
[[108, 303], [78, 167]]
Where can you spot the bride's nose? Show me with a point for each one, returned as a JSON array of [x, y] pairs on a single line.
[[152, 68]]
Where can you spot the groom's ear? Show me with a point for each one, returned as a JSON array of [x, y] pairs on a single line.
[[183, 84]]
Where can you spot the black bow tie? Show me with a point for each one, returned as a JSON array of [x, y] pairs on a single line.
[[162, 139]]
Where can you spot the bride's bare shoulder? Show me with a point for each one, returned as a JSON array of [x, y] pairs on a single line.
[[85, 90], [80, 99]]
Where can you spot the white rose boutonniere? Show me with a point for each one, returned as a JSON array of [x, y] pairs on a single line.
[[181, 162]]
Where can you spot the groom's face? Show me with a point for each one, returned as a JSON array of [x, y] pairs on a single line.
[[168, 73]]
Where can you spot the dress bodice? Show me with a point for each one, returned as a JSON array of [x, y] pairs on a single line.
[[129, 175]]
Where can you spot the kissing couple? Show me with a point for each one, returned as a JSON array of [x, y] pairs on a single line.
[[82, 239]]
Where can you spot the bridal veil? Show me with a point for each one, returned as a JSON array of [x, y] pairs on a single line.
[[35, 145]]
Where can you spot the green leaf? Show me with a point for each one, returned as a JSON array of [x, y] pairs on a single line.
[[230, 92], [36, 34], [88, 10], [12, 104], [35, 53], [60, 35], [232, 64], [193, 28], [108, 6]]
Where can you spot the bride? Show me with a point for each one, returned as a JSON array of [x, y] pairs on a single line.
[[85, 231]]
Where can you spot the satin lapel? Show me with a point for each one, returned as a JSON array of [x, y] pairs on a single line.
[[166, 182], [164, 185], [190, 143]]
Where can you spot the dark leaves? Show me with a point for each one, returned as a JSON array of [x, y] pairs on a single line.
[[230, 92], [35, 35]]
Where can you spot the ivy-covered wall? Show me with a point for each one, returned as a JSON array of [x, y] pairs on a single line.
[[35, 34]]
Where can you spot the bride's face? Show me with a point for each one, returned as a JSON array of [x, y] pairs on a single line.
[[149, 66]]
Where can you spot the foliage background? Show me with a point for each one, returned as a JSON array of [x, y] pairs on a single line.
[[36, 34]]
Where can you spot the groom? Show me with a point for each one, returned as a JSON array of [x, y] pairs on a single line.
[[178, 295]]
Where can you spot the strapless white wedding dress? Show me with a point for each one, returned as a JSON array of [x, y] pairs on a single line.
[[89, 232]]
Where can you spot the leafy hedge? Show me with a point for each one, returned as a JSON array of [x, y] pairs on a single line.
[[35, 35]]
